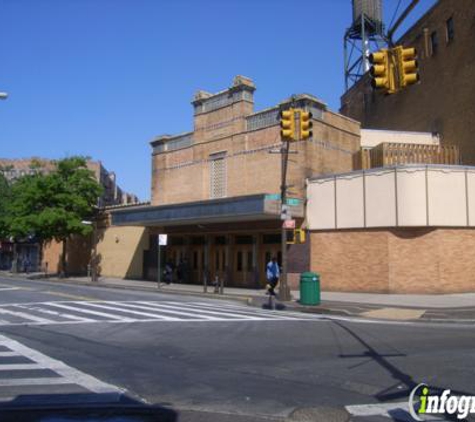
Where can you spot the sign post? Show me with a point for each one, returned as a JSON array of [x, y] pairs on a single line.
[[162, 241]]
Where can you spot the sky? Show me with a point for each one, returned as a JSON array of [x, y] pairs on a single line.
[[102, 78]]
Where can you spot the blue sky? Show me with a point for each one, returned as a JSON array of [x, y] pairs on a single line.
[[103, 77]]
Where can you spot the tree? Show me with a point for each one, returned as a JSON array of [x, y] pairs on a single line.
[[53, 206], [5, 195]]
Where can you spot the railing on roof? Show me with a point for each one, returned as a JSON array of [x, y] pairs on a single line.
[[263, 119], [171, 144], [390, 154]]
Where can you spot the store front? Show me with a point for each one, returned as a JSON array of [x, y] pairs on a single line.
[[229, 239]]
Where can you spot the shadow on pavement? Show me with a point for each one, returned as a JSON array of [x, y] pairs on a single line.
[[82, 407], [400, 377]]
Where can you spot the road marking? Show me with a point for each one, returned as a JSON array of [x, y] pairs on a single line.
[[2, 289], [90, 311], [8, 354], [15, 382], [130, 311], [261, 311], [399, 410], [178, 309], [68, 295], [67, 374], [24, 316], [78, 312], [60, 314], [19, 366]]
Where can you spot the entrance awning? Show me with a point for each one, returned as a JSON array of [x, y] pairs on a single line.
[[223, 210]]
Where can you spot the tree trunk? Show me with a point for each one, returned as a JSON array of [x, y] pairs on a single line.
[[63, 259], [14, 268]]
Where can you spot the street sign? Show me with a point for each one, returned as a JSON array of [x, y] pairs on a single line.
[[273, 197], [285, 213], [162, 239], [289, 201], [289, 224]]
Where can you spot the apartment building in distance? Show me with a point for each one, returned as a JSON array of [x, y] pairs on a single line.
[[113, 195], [443, 101]]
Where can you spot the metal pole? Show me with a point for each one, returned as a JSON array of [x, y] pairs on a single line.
[[284, 291], [158, 265], [94, 251]]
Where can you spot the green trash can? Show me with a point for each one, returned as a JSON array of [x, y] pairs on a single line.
[[310, 288]]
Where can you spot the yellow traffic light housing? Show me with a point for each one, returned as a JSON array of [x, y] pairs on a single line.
[[296, 236], [382, 71], [407, 66], [287, 124], [305, 125]]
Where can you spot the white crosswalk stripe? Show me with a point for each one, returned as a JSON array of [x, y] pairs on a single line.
[[41, 370], [392, 411], [80, 312]]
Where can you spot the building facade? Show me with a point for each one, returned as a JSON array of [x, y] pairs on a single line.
[[399, 229], [443, 101], [29, 255], [215, 190]]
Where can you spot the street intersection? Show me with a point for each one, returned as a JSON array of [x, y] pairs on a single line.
[[65, 348]]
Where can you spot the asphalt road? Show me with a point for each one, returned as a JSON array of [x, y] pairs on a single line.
[[70, 353]]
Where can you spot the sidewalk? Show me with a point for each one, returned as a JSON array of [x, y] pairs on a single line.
[[450, 307]]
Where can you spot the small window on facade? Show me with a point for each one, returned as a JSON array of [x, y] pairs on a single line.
[[449, 26], [218, 175], [434, 42]]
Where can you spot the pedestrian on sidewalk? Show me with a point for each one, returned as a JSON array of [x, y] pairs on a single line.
[[168, 273], [272, 274]]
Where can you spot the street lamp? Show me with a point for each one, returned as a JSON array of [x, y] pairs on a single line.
[[3, 95], [93, 263]]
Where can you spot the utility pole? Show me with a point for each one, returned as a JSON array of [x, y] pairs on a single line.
[[295, 125], [284, 291]]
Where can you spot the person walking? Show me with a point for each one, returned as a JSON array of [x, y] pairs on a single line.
[[272, 274], [168, 273]]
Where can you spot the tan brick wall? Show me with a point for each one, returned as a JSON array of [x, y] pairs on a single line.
[[120, 251], [443, 101], [183, 175], [406, 260], [78, 255]]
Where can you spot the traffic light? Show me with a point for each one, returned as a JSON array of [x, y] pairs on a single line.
[[296, 236], [382, 71], [305, 124], [287, 124], [406, 66]]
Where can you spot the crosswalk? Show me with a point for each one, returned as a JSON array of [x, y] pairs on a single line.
[[81, 312], [27, 375]]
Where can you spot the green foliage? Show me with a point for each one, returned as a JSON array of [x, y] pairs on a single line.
[[53, 206], [5, 197]]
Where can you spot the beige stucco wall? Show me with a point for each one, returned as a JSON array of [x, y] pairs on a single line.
[[403, 197], [120, 251], [372, 137]]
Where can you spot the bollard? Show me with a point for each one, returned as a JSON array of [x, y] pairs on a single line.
[[216, 284]]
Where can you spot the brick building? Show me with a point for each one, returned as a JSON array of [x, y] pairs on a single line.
[[113, 195], [214, 190], [79, 250], [384, 211], [443, 101]]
